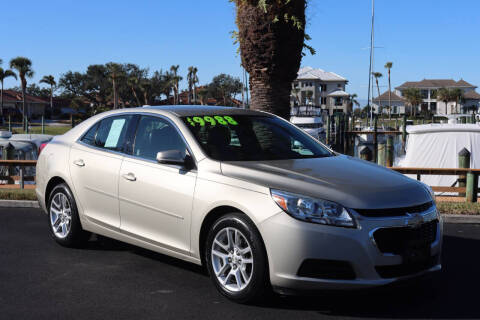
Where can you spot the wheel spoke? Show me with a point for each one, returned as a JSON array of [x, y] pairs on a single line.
[[64, 201], [57, 221], [222, 270], [238, 278], [244, 274], [237, 239], [54, 210], [56, 204], [64, 229], [247, 260], [244, 251], [231, 243], [219, 254], [221, 245]]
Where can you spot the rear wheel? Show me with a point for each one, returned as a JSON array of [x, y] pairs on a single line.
[[236, 258], [63, 218]]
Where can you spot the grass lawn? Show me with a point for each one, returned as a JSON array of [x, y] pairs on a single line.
[[18, 194], [53, 130], [459, 208]]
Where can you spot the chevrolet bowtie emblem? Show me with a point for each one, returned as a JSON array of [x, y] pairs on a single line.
[[414, 220]]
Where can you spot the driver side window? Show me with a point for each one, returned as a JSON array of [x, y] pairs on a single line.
[[155, 135]]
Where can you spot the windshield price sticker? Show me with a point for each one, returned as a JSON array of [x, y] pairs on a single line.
[[211, 120]]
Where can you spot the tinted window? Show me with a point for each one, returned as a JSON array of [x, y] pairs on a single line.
[[112, 132], [155, 135], [243, 138], [89, 137]]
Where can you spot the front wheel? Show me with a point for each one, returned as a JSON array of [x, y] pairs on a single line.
[[236, 258]]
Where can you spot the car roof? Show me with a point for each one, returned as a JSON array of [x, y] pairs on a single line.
[[194, 110]]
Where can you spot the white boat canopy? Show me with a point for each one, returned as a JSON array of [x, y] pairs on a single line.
[[437, 146]]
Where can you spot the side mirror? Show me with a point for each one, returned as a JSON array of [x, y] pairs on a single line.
[[171, 157]]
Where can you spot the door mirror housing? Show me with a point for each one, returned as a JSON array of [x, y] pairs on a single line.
[[176, 157]]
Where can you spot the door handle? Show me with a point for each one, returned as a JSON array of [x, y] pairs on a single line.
[[79, 163], [129, 176]]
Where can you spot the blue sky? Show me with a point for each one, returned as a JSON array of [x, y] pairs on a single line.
[[423, 38]]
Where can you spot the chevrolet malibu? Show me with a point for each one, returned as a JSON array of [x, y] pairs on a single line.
[[256, 200]]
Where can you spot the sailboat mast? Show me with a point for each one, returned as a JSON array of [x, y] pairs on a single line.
[[370, 83]]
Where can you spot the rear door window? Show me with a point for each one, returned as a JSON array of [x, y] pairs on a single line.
[[112, 132]]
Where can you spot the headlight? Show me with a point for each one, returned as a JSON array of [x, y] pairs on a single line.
[[313, 210]]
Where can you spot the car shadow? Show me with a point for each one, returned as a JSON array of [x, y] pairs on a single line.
[[449, 294], [101, 243]]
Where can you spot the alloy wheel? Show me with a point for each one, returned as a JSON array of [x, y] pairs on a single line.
[[232, 259], [60, 215]]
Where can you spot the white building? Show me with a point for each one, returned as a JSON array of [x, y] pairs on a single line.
[[382, 102], [320, 89], [429, 89]]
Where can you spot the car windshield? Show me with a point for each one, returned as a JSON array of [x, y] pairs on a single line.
[[252, 138]]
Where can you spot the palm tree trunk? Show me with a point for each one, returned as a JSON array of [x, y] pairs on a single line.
[[389, 97], [271, 52], [135, 95], [23, 104], [115, 102], [194, 93], [1, 102], [51, 97], [270, 95]]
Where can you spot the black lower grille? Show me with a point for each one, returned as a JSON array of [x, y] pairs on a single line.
[[398, 240], [395, 212], [405, 269], [326, 269]]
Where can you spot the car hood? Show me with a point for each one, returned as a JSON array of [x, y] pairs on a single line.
[[351, 182]]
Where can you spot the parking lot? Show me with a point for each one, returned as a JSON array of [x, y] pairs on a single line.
[[110, 280]]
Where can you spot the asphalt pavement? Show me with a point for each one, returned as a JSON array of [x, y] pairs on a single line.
[[110, 280]]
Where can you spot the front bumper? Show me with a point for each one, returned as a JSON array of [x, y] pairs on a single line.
[[289, 242]]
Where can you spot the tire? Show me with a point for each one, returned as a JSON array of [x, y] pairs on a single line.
[[228, 262], [63, 219]]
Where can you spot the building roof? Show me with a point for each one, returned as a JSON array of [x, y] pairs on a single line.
[[436, 83], [338, 93], [471, 95], [385, 97], [309, 73], [15, 96]]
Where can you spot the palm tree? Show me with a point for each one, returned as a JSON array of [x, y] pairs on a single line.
[[295, 92], [175, 81], [115, 72], [3, 75], [134, 82], [272, 36], [389, 66], [50, 80], [195, 81], [414, 98], [191, 79], [309, 95], [377, 75], [352, 100], [457, 96], [24, 68], [444, 95], [203, 94]]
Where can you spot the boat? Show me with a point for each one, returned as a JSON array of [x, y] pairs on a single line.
[[313, 125], [437, 146]]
